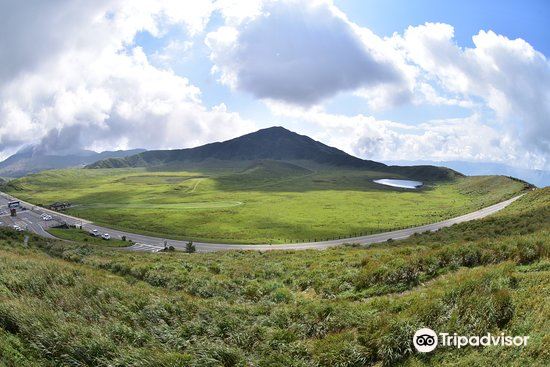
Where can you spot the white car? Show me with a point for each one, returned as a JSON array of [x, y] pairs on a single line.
[[46, 217], [95, 233], [106, 236], [17, 228]]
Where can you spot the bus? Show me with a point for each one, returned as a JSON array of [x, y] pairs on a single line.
[[14, 204]]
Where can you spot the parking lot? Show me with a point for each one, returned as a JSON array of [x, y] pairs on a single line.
[[28, 219]]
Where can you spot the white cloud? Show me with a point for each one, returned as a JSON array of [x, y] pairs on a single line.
[[235, 12], [506, 76], [510, 76], [426, 93], [174, 51], [87, 85], [448, 139], [71, 76], [301, 53]]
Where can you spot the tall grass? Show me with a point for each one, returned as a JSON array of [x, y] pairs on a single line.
[[84, 305]]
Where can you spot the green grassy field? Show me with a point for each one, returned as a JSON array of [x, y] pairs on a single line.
[[77, 304], [269, 203], [78, 235]]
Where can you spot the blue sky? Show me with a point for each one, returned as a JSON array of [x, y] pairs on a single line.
[[432, 80], [514, 19]]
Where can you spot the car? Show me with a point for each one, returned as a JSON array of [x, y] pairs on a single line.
[[106, 236], [17, 228], [94, 232]]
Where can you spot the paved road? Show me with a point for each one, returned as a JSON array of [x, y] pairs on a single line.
[[26, 219], [31, 220]]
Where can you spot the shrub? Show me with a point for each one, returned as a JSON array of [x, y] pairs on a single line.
[[190, 247]]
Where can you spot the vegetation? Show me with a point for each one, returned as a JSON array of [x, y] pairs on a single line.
[[64, 303], [190, 248], [271, 186], [27, 160], [78, 235], [262, 202]]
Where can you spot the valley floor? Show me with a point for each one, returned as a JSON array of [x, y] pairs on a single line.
[[272, 205]]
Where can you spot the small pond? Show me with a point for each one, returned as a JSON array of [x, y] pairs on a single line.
[[404, 184]]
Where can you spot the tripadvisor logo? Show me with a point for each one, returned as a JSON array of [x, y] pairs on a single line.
[[425, 340]]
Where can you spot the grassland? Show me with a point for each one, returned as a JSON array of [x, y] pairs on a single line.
[[267, 203], [78, 304], [78, 235]]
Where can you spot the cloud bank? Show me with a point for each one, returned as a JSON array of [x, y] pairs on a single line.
[[510, 76], [74, 76], [299, 53]]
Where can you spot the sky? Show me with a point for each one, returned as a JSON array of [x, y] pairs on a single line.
[[391, 80]]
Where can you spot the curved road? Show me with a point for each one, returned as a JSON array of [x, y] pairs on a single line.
[[34, 223]]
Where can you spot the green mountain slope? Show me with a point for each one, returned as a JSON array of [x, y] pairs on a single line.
[[70, 303], [32, 160], [275, 143], [262, 173]]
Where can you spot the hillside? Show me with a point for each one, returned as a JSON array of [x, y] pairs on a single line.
[[33, 160], [68, 303], [536, 177], [263, 173], [275, 143]]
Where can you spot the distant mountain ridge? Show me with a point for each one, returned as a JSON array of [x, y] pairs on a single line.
[[31, 160], [275, 144], [538, 178]]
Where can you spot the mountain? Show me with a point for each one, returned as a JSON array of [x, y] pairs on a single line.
[[274, 144], [264, 171], [32, 160], [538, 178]]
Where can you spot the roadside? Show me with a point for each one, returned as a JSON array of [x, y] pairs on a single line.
[[78, 235], [150, 243]]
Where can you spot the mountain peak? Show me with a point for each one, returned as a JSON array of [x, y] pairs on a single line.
[[273, 131], [272, 143], [276, 128]]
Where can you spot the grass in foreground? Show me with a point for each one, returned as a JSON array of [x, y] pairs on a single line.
[[70, 304], [269, 204]]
